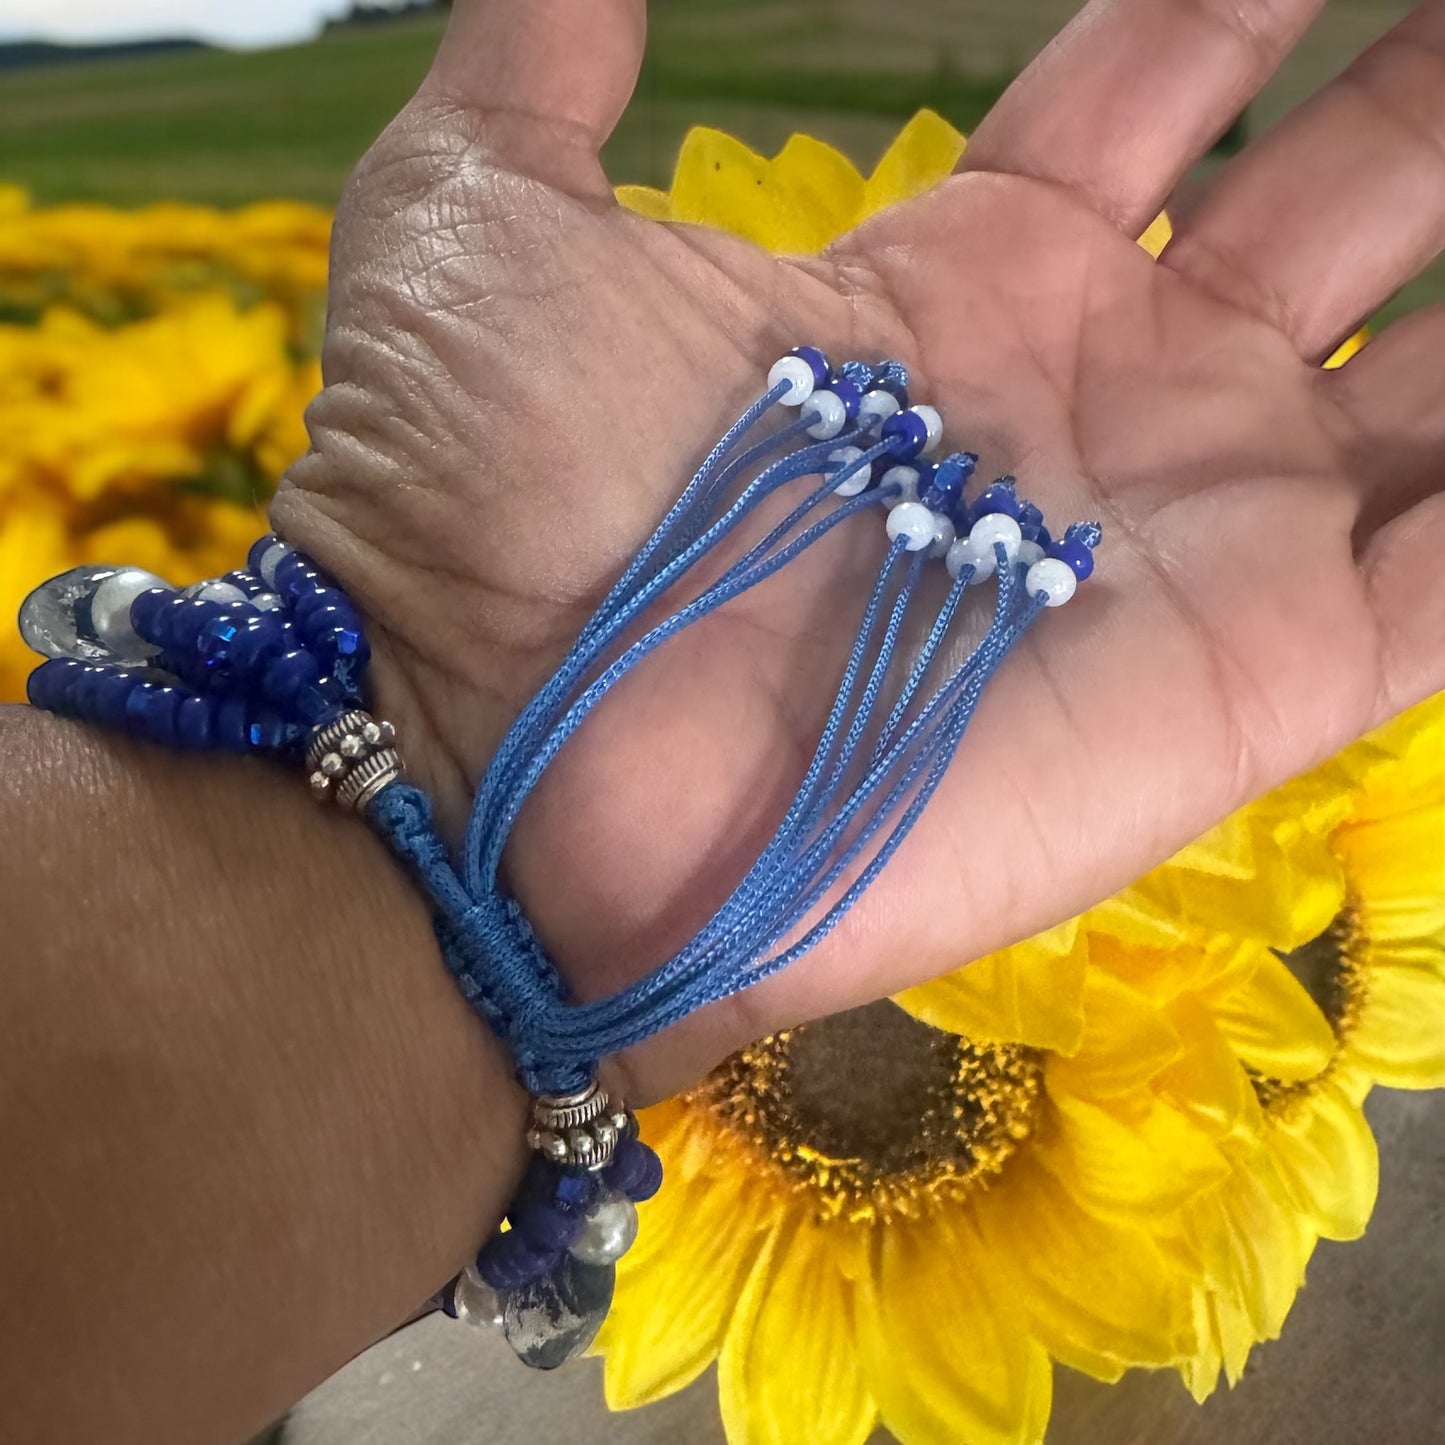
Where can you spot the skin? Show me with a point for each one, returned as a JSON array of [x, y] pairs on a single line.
[[250, 1154]]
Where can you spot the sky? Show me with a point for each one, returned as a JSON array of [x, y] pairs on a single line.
[[228, 22]]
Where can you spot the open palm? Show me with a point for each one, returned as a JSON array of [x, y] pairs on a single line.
[[521, 375]]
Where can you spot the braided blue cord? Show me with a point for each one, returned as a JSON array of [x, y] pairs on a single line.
[[864, 789]]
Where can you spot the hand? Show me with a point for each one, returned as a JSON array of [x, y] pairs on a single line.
[[520, 376]]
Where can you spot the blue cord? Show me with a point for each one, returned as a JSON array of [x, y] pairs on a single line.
[[865, 787]]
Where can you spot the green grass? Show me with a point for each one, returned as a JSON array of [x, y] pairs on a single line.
[[227, 128]]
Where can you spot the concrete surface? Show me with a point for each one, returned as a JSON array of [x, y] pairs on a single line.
[[1360, 1362]]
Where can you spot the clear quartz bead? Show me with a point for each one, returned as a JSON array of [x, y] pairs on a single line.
[[609, 1232], [555, 1318], [476, 1301], [56, 618]]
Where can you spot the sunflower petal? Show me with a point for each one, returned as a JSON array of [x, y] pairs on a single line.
[[678, 1286], [1029, 994], [789, 1371], [1327, 1159], [1100, 1295], [922, 154], [1274, 1025], [1400, 1037], [945, 1360]]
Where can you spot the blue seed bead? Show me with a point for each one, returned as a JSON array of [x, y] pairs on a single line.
[[346, 640], [288, 675], [232, 725], [817, 362], [84, 690], [507, 1261], [892, 377], [42, 687], [269, 732], [111, 698], [196, 724], [324, 616], [1073, 552], [950, 477], [259, 548], [575, 1189], [858, 372], [1043, 538], [997, 498], [311, 603], [147, 612], [319, 704], [905, 434], [548, 1229], [154, 717], [651, 1180], [295, 576], [260, 639], [1030, 520], [848, 394], [248, 582]]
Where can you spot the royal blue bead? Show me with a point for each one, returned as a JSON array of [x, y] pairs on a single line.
[[950, 477], [196, 724], [817, 362], [83, 691], [905, 434], [260, 639], [147, 612], [651, 1180], [343, 641], [288, 675], [295, 577], [324, 617], [111, 698], [318, 704], [259, 548], [1078, 557], [892, 377], [233, 725], [548, 1229], [270, 732], [154, 718], [926, 472], [1043, 538], [998, 498], [848, 394], [43, 685], [309, 603], [507, 1261], [248, 582], [575, 1189], [1030, 515]]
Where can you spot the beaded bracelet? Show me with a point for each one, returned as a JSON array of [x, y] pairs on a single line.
[[271, 659]]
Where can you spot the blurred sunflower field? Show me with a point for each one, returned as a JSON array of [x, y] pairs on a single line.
[[155, 365]]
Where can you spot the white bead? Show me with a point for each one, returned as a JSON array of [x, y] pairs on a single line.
[[1028, 553], [875, 408], [934, 422], [914, 523], [843, 459], [828, 413], [799, 376], [960, 555], [110, 612], [609, 1232], [267, 601], [996, 527], [475, 1300], [969, 553], [271, 559], [215, 592], [943, 535], [905, 479], [1053, 578]]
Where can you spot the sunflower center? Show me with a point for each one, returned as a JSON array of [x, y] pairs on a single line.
[[1332, 970], [872, 1113]]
